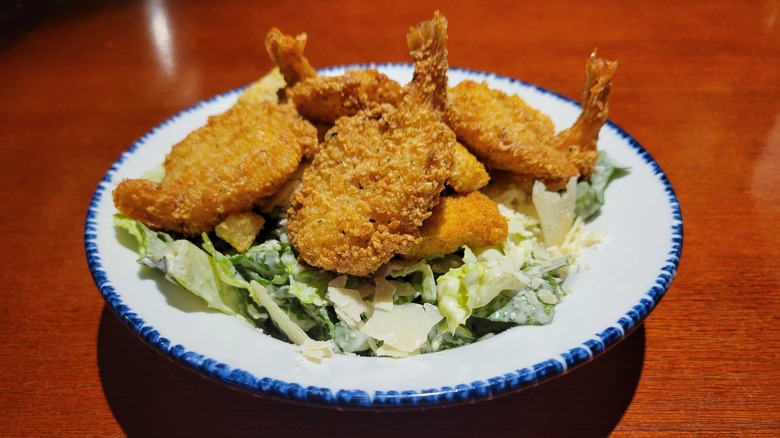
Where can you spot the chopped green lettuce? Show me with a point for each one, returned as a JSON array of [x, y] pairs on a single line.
[[228, 273], [148, 240], [590, 194], [190, 267], [465, 296], [496, 274]]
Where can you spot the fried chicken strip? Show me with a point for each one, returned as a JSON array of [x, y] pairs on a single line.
[[469, 219], [220, 169], [379, 174]]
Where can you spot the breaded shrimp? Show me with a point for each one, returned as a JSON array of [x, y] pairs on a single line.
[[287, 52], [507, 134], [468, 174], [378, 175], [469, 219], [220, 169], [428, 44], [428, 49], [324, 99], [579, 141]]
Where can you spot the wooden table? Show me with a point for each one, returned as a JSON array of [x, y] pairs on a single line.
[[698, 86]]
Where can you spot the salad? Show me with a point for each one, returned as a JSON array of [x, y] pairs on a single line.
[[406, 307]]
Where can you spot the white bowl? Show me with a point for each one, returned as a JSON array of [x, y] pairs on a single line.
[[616, 286]]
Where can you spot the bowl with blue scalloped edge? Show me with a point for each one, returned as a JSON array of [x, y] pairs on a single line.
[[615, 286]]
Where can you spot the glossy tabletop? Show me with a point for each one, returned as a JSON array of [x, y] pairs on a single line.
[[698, 86]]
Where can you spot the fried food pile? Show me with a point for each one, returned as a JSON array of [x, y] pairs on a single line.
[[220, 169], [366, 168]]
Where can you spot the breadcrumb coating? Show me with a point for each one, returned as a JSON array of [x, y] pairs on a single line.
[[507, 134], [379, 173], [220, 169], [470, 219], [468, 174], [325, 99]]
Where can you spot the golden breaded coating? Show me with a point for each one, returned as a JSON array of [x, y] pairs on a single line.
[[287, 52], [470, 219], [428, 49], [220, 169], [468, 174], [324, 99], [579, 141], [376, 178], [507, 134], [369, 189]]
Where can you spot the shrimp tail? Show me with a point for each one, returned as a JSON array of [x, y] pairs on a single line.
[[579, 141], [428, 50], [287, 52]]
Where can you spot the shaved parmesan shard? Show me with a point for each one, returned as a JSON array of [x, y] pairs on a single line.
[[555, 210], [383, 294], [291, 329], [348, 303], [315, 351], [389, 351], [404, 329]]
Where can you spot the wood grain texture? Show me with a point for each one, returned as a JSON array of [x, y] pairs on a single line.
[[698, 86]]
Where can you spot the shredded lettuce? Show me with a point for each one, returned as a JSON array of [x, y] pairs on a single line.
[[269, 279], [462, 297], [491, 275], [148, 241]]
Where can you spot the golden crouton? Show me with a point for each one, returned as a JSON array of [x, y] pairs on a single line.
[[240, 230]]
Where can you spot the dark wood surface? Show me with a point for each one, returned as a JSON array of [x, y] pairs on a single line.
[[698, 86]]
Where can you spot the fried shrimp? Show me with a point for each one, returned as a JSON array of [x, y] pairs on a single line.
[[506, 133], [428, 46], [428, 49], [220, 169], [324, 99], [579, 141], [379, 174], [469, 219], [509, 135]]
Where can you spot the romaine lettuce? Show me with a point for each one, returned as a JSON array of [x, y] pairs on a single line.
[[590, 194]]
